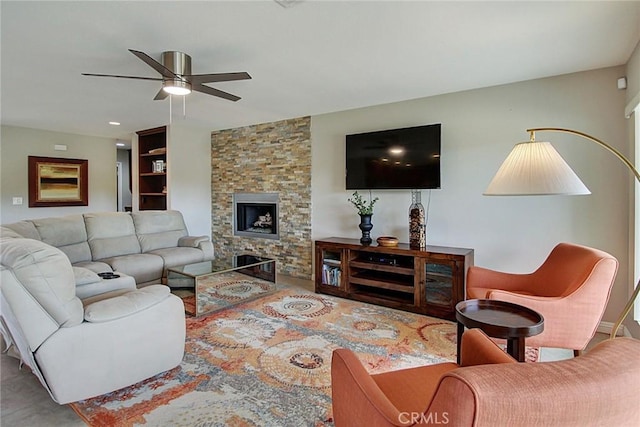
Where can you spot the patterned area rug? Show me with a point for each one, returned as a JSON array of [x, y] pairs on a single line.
[[267, 363]]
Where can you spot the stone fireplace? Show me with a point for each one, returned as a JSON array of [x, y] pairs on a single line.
[[267, 158], [256, 215]]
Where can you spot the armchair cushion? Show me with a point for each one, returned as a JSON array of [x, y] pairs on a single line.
[[125, 304]]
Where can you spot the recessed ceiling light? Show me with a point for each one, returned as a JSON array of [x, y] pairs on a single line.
[[396, 151], [114, 123], [120, 144]]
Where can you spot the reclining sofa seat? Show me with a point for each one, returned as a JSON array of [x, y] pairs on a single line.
[[164, 233], [83, 348], [113, 241]]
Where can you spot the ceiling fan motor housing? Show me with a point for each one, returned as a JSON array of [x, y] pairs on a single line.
[[178, 63]]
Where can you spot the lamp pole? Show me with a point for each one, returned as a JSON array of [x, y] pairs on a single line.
[[629, 165]]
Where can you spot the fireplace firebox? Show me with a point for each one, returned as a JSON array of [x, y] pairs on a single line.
[[256, 215]]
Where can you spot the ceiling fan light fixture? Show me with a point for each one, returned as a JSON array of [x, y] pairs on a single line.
[[176, 87]]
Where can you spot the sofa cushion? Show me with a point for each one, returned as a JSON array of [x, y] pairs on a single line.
[[179, 256], [24, 229], [7, 232], [143, 267], [66, 233], [111, 234], [125, 304], [159, 229]]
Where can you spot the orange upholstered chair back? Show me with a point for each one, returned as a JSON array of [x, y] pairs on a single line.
[[569, 266], [570, 289]]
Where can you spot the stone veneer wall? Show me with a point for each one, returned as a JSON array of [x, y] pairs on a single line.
[[270, 158]]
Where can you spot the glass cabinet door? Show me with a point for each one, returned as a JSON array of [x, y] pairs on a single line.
[[439, 283]]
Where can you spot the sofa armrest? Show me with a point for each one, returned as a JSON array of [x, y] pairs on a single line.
[[478, 349], [200, 242], [84, 276], [126, 304], [192, 241]]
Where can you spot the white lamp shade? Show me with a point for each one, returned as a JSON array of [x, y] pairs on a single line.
[[533, 169]]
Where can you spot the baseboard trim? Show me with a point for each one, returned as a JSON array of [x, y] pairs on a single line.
[[607, 327]]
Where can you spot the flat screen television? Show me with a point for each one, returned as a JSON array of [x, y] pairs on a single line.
[[407, 158]]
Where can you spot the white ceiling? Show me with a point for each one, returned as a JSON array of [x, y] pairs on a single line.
[[312, 58]]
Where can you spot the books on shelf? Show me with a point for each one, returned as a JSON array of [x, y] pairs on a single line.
[[161, 150], [330, 273]]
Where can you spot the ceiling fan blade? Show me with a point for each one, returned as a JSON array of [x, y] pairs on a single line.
[[122, 77], [160, 95], [215, 92], [154, 64], [218, 77]]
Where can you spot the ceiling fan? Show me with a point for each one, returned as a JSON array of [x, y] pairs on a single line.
[[177, 78]]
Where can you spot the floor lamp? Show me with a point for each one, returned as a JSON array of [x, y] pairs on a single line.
[[536, 168]]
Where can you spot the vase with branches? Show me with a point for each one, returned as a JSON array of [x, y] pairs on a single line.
[[363, 207], [365, 210]]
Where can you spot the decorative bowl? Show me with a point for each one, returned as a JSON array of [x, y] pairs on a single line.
[[387, 241]]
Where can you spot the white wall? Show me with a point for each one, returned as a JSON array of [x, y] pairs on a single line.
[[17, 143], [189, 176], [479, 129]]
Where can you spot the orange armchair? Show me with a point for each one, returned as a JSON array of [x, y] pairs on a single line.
[[570, 289], [490, 389]]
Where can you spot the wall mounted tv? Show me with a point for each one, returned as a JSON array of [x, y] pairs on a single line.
[[407, 158]]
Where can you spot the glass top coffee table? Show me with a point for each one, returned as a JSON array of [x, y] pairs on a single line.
[[209, 286]]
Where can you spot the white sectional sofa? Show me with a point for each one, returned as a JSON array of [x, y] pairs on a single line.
[[140, 244], [83, 335]]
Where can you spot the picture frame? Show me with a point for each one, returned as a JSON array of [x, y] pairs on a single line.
[[58, 182], [158, 166]]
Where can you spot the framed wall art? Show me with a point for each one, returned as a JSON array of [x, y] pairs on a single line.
[[58, 182]]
